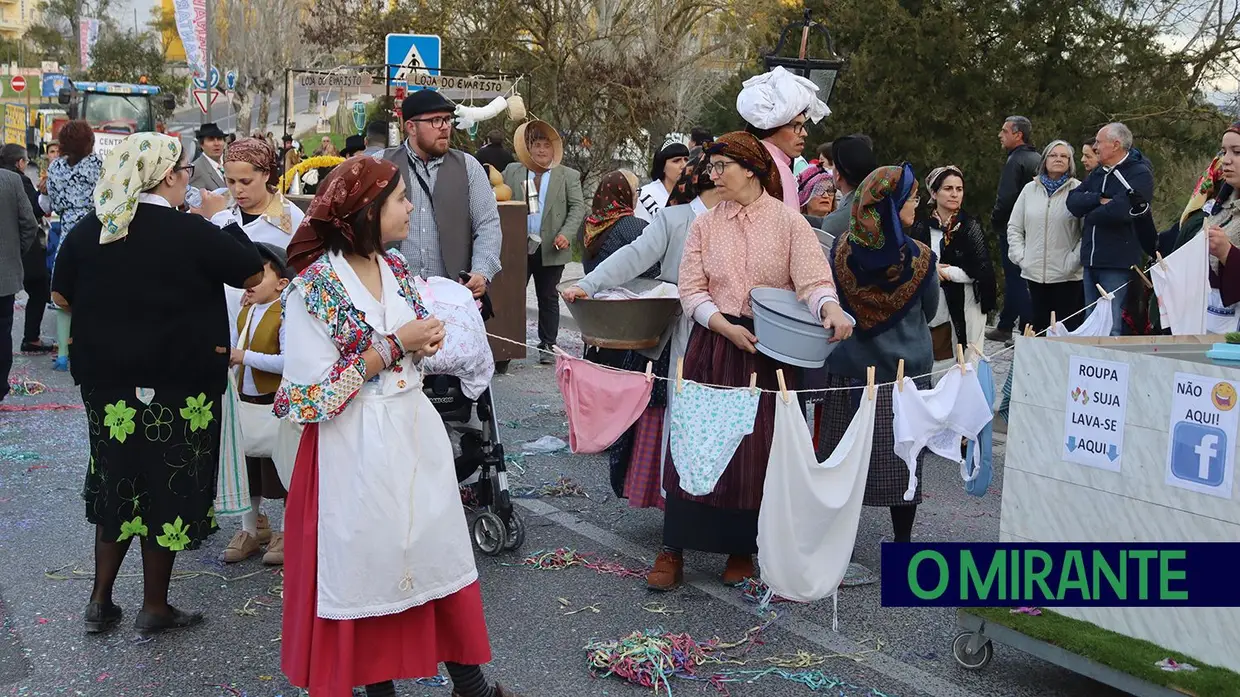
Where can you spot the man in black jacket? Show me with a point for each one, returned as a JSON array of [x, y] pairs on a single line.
[[1021, 167], [493, 153], [36, 279], [1112, 200]]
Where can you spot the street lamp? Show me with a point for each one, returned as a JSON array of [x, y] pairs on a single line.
[[820, 71]]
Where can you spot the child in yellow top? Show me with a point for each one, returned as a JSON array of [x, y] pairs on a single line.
[[258, 340]]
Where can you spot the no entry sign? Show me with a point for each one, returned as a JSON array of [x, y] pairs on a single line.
[[18, 83]]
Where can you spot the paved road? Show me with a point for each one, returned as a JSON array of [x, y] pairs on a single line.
[[537, 647]]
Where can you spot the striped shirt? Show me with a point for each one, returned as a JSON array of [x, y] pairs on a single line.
[[421, 247]]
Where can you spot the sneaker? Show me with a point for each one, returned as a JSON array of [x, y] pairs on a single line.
[[739, 568], [61, 364], [544, 355], [998, 334], [37, 347], [275, 550], [668, 572], [149, 623], [241, 547], [264, 529]]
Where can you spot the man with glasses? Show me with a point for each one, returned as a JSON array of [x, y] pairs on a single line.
[[454, 227], [778, 107]]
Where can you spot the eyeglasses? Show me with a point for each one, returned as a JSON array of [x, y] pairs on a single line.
[[717, 168], [800, 129], [438, 121], [187, 168]]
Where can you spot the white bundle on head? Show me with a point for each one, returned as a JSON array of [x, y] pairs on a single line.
[[469, 116], [774, 99]]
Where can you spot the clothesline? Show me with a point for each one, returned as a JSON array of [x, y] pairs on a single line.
[[819, 390]]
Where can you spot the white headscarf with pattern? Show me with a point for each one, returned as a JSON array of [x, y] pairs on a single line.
[[137, 164]]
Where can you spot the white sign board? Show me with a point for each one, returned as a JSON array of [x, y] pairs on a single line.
[[106, 142], [1094, 416], [1201, 440]]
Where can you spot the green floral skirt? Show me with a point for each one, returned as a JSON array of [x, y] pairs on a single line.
[[154, 456]]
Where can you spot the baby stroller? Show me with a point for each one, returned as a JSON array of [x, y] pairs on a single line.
[[495, 526]]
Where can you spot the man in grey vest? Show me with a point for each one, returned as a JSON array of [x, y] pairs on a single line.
[[454, 226]]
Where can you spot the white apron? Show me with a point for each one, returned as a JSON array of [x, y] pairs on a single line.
[[391, 529]]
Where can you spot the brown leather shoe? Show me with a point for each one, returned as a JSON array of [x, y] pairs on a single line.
[[275, 550], [241, 547], [668, 572], [740, 567]]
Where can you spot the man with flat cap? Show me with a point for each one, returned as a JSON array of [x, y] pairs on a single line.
[[454, 226]]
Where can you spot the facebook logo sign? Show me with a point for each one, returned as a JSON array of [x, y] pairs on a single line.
[[1199, 454]]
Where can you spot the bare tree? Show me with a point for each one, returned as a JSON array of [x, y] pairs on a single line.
[[259, 39]]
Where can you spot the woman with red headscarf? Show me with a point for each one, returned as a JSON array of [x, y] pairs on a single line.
[[380, 581]]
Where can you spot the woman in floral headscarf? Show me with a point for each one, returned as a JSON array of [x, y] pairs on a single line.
[[380, 582], [609, 226], [890, 283], [610, 223], [749, 240], [152, 372]]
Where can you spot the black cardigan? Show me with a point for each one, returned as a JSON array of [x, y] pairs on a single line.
[[965, 247]]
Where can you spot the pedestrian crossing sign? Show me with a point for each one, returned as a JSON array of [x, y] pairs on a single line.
[[409, 54]]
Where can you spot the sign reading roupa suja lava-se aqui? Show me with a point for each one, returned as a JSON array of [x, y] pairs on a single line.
[[1097, 398]]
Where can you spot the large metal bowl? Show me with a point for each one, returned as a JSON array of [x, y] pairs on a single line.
[[623, 324]]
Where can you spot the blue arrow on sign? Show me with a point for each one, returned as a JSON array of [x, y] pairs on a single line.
[[210, 82], [412, 53], [230, 80], [1071, 443], [1112, 452]]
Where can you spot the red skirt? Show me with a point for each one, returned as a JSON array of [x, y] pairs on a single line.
[[330, 657], [642, 484]]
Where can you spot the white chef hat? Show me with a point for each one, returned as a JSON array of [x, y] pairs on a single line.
[[773, 100]]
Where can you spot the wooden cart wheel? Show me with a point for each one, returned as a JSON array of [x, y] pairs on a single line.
[[975, 660]]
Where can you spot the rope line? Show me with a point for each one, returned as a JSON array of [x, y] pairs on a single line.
[[1109, 294]]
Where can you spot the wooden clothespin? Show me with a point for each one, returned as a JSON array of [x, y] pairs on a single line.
[[899, 375], [1102, 292], [753, 383], [1028, 330], [1141, 273], [680, 374], [649, 369], [1052, 318], [960, 357], [870, 389], [783, 388], [1161, 264]]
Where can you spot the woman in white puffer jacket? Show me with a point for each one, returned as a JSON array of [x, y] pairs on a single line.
[[1044, 239]]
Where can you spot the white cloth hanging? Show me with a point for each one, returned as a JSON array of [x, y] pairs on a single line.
[[937, 419], [807, 524], [1098, 323], [1182, 286]]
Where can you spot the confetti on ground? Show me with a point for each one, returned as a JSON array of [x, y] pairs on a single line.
[[437, 681], [25, 386], [40, 407], [561, 488], [12, 453], [560, 559], [755, 591], [1031, 611], [83, 575], [652, 658]]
